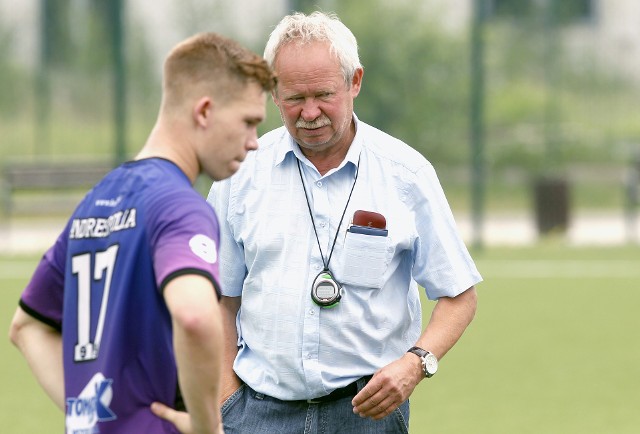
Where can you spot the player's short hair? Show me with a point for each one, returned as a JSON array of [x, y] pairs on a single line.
[[213, 63], [317, 26]]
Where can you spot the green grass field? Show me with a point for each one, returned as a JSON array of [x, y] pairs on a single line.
[[554, 348]]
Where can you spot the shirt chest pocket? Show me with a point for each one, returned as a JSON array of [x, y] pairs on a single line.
[[366, 258]]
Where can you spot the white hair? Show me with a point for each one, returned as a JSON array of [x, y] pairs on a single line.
[[317, 26]]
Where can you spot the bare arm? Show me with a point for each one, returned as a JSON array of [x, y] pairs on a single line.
[[41, 346], [197, 337], [448, 321], [229, 380], [394, 383]]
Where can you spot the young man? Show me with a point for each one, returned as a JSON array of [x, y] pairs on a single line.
[[123, 310]]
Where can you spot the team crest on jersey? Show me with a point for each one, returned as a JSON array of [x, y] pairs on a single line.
[[204, 247], [90, 407]]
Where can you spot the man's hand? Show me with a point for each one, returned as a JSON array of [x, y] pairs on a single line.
[[389, 387], [180, 419]]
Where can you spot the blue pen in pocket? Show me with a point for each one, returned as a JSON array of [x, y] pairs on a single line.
[[367, 230]]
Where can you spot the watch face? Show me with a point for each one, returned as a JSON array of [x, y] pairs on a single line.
[[430, 364]]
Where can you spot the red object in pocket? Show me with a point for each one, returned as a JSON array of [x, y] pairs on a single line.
[[369, 219]]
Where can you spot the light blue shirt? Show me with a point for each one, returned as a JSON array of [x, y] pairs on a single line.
[[289, 347]]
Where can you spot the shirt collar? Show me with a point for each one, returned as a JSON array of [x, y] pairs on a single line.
[[288, 145]]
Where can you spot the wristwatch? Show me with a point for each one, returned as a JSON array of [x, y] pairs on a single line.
[[429, 361]]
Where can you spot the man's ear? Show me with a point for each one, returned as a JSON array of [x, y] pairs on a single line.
[[356, 82], [202, 111]]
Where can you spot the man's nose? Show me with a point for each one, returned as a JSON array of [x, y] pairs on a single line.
[[310, 110], [252, 141]]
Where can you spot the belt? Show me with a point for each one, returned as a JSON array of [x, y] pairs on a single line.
[[348, 390]]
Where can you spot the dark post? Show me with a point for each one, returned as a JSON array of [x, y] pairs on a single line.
[[43, 89], [119, 95], [551, 190], [476, 111]]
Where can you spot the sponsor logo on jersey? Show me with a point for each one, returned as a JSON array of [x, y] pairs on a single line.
[[101, 227], [108, 202], [90, 407], [204, 247]]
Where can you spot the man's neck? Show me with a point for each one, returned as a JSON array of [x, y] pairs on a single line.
[[327, 159]]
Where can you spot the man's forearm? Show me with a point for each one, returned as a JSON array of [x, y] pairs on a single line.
[[197, 337], [449, 319]]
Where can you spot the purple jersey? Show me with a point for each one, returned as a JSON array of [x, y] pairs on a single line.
[[101, 284]]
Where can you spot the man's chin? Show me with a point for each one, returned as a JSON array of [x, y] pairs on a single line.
[[314, 141], [234, 166], [228, 171]]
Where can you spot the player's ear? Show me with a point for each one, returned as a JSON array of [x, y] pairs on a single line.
[[202, 111]]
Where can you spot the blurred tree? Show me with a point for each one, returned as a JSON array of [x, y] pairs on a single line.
[[13, 78], [55, 32], [416, 77], [306, 6], [82, 65], [200, 15]]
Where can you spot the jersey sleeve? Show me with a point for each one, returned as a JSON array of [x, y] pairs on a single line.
[[44, 294], [234, 269], [184, 238]]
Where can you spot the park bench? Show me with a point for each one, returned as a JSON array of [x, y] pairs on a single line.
[[51, 178]]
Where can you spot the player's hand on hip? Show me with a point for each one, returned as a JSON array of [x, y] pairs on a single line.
[[180, 419]]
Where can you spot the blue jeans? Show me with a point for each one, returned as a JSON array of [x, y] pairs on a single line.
[[250, 412]]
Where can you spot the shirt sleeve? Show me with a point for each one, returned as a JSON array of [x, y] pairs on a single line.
[[184, 238], [43, 296], [441, 263], [232, 260]]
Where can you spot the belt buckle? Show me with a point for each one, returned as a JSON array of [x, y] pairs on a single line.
[[314, 401]]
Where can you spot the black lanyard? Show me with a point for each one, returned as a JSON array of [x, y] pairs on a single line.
[[326, 264]]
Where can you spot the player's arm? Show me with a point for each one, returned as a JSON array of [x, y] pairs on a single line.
[[394, 383], [229, 383], [197, 330], [41, 346]]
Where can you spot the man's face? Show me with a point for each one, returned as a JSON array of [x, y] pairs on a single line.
[[315, 103], [234, 132]]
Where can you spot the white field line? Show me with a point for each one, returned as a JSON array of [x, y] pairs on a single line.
[[545, 268]]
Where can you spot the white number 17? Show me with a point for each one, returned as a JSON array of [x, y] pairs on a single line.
[[87, 349]]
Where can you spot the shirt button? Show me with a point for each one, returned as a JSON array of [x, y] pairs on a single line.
[[312, 312], [317, 267], [319, 183]]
